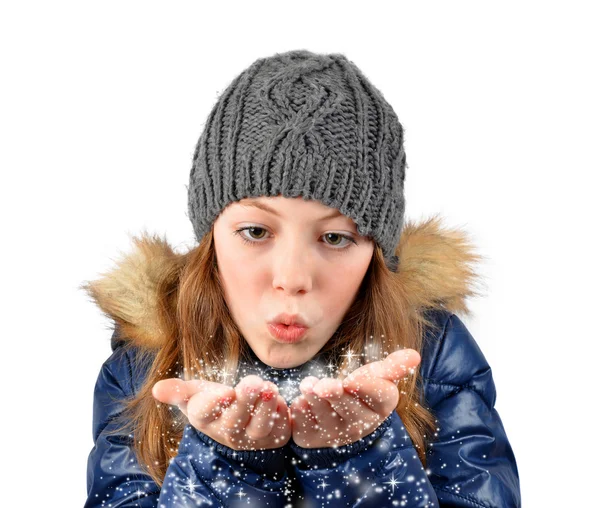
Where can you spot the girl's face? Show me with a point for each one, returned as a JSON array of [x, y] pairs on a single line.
[[293, 260]]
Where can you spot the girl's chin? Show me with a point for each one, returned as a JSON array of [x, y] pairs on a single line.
[[285, 361]]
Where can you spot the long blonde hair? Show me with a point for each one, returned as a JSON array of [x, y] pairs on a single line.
[[201, 338]]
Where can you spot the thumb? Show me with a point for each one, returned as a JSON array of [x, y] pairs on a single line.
[[176, 391], [399, 364], [393, 367]]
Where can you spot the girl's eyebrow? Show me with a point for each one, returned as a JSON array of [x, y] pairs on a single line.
[[268, 209]]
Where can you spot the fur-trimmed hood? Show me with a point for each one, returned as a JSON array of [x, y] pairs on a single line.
[[435, 270]]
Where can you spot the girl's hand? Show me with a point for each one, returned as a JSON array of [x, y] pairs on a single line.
[[331, 412], [253, 416]]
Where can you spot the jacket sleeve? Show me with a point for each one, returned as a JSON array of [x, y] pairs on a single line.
[[205, 471], [381, 469], [472, 463], [114, 477]]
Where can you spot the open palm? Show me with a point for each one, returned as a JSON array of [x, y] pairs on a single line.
[[251, 416], [333, 412]]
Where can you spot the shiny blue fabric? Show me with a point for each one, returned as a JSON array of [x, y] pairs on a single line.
[[470, 463]]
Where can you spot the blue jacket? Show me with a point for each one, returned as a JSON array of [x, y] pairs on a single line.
[[470, 463]]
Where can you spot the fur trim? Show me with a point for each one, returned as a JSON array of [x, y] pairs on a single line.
[[434, 271], [128, 294], [436, 267]]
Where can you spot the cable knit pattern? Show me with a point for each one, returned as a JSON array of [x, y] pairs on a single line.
[[303, 124]]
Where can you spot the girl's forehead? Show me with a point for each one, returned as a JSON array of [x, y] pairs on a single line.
[[289, 207]]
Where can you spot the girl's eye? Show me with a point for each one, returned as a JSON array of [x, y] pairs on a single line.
[[337, 237]]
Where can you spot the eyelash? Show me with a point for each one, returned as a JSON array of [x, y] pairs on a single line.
[[253, 243]]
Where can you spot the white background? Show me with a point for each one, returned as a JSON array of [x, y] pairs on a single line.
[[101, 107]]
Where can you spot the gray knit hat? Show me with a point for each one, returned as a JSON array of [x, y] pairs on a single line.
[[303, 124]]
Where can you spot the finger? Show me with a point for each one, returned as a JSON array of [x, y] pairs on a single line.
[[303, 422], [353, 417], [282, 429], [237, 416], [345, 405], [379, 394], [323, 392], [322, 411], [393, 368], [306, 385], [175, 391], [205, 407], [264, 413], [400, 363], [328, 387]]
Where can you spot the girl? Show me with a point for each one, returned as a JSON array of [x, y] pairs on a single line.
[[308, 351]]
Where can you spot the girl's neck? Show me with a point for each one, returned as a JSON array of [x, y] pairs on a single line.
[[287, 379]]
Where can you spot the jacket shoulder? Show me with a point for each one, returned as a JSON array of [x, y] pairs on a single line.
[[128, 364], [113, 472], [471, 460], [452, 360], [432, 339]]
